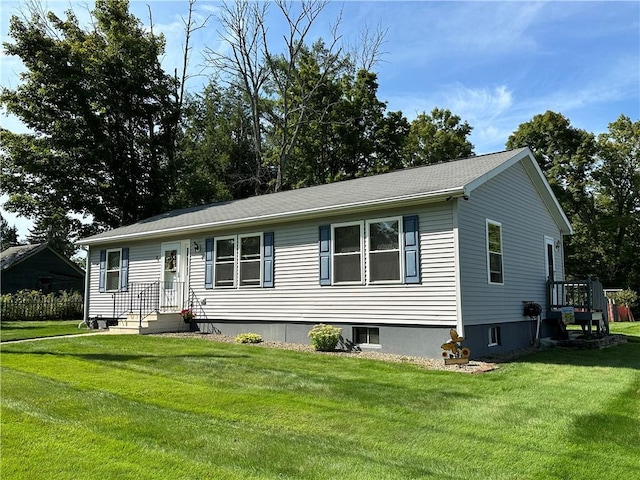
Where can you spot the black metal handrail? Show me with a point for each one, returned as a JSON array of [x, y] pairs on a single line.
[[196, 306], [139, 297]]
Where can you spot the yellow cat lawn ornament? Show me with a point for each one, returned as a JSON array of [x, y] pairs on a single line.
[[455, 354]]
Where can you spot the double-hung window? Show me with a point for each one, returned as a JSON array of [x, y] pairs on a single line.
[[225, 261], [114, 270], [347, 253], [239, 261], [494, 252], [374, 251], [384, 250], [250, 260]]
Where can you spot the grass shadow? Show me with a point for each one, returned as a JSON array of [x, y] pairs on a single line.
[[117, 357], [626, 355]]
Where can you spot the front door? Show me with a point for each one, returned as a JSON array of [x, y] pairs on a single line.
[[174, 274]]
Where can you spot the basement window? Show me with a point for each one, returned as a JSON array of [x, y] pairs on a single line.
[[366, 336], [494, 336]]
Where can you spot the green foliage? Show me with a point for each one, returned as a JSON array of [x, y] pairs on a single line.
[[104, 128], [437, 137], [598, 186], [628, 298], [8, 235], [324, 337], [249, 338], [34, 305]]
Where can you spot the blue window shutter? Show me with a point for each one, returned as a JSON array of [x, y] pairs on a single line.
[[208, 263], [411, 249], [325, 254], [124, 270], [268, 258], [103, 271]]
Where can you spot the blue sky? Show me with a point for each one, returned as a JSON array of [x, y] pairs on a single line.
[[496, 64]]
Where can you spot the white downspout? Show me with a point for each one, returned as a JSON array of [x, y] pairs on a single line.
[[87, 286]]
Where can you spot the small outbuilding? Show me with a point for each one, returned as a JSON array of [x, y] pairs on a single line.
[[38, 267]]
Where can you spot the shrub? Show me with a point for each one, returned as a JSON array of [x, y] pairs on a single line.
[[324, 338], [249, 338], [35, 305], [628, 298]]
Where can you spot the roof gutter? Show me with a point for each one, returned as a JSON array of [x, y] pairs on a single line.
[[333, 210]]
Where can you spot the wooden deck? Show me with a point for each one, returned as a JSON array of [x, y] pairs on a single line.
[[585, 297]]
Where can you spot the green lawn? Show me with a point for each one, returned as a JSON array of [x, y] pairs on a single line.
[[627, 328], [130, 407], [23, 330]]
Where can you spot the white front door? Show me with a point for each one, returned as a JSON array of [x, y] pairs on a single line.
[[174, 275]]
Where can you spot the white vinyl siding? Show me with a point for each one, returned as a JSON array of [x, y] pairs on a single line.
[[144, 266], [297, 295], [512, 200]]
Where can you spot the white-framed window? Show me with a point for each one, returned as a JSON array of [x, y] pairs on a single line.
[[366, 336], [347, 253], [494, 253], [250, 260], [112, 270], [225, 262], [494, 336], [238, 261], [383, 246]]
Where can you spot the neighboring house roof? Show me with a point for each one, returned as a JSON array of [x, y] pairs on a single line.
[[403, 187], [12, 256]]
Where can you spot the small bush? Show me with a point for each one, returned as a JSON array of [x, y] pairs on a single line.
[[324, 338], [249, 338]]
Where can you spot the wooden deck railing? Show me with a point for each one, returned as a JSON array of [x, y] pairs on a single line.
[[585, 296]]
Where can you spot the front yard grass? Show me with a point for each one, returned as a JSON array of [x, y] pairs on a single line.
[[130, 407], [23, 330]]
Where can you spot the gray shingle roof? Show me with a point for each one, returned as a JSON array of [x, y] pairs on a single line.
[[13, 255], [420, 182]]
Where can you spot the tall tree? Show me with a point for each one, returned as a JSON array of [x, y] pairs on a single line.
[[598, 185], [437, 137], [8, 234], [57, 229], [617, 187], [565, 154], [103, 141]]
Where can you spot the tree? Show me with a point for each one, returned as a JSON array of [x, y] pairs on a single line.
[[437, 137], [285, 89], [104, 128], [617, 186], [8, 235], [57, 229], [598, 186], [566, 156]]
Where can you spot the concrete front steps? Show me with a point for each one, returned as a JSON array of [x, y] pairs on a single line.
[[156, 322]]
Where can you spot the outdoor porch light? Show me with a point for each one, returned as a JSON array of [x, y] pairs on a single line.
[[557, 244], [196, 247]]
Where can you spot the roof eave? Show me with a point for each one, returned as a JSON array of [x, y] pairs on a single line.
[[307, 214]]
